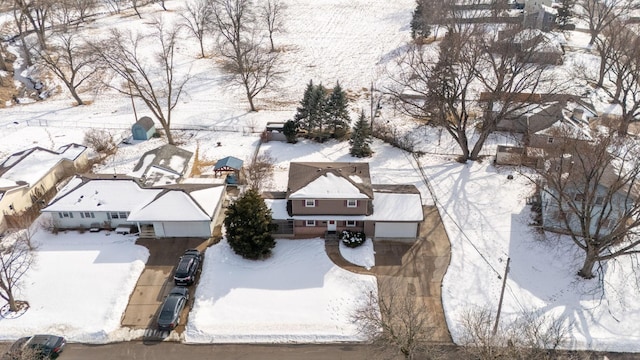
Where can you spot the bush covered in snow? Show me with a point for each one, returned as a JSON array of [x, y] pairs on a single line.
[[352, 238]]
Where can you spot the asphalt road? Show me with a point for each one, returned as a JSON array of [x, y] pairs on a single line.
[[137, 350]]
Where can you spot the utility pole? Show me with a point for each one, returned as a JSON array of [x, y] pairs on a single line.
[[504, 283]]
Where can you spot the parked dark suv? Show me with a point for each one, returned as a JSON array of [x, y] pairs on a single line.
[[187, 268]]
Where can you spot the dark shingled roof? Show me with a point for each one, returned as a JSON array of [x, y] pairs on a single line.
[[303, 173]]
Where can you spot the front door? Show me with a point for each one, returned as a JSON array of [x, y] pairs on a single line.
[[331, 225]]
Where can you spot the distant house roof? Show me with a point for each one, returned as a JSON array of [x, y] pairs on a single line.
[[27, 167], [229, 163], [162, 165], [329, 180], [145, 122]]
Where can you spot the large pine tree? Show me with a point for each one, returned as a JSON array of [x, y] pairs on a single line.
[[361, 138], [337, 110], [419, 22], [317, 109], [248, 225], [301, 117]]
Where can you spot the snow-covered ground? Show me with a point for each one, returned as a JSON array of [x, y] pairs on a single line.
[[297, 295], [326, 41]]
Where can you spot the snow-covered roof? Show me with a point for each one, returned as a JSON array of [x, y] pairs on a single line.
[[396, 207], [329, 186], [104, 195], [30, 166], [71, 151], [208, 198], [170, 206]]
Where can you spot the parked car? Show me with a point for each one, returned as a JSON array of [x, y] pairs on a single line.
[[169, 316], [36, 347], [187, 268]]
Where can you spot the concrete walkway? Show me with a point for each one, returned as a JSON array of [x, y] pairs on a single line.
[[421, 265]]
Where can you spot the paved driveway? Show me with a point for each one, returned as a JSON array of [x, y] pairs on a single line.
[[156, 281], [419, 265]]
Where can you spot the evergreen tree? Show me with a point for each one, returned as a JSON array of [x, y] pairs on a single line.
[[564, 12], [419, 25], [301, 117], [317, 109], [248, 224], [361, 138], [290, 130], [337, 111]]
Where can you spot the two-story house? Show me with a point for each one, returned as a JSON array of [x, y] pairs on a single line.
[[328, 197], [28, 180]]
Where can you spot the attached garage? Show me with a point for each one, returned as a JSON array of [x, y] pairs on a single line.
[[396, 230], [183, 229]]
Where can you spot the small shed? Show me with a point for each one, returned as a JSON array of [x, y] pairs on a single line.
[[275, 132], [231, 165], [143, 129]]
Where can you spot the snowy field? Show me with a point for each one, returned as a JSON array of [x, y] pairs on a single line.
[[326, 41]]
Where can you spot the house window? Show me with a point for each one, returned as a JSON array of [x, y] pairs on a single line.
[[579, 197], [599, 200], [87, 215], [65, 214], [352, 203], [550, 140], [310, 223], [113, 215], [123, 215], [310, 203], [351, 223]]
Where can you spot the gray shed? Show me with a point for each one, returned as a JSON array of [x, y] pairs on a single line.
[[143, 129]]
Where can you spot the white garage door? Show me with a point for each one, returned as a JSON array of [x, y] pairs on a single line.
[[396, 230], [186, 229]]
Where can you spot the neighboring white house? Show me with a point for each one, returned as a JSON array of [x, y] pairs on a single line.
[[187, 210], [28, 178]]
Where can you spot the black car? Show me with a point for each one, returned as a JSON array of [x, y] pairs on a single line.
[[169, 316], [36, 347], [187, 268]]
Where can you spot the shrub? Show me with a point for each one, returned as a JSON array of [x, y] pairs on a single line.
[[100, 141], [352, 239]]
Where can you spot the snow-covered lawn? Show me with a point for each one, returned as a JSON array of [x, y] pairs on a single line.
[[297, 295], [78, 286]]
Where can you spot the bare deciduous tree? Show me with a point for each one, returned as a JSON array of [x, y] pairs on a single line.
[[253, 66], [395, 322], [529, 336], [15, 260], [71, 61], [599, 14], [622, 65], [153, 81], [439, 90], [259, 171], [511, 71], [197, 18], [590, 192], [37, 13], [272, 12]]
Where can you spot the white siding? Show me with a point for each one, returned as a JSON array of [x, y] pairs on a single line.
[[396, 230]]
